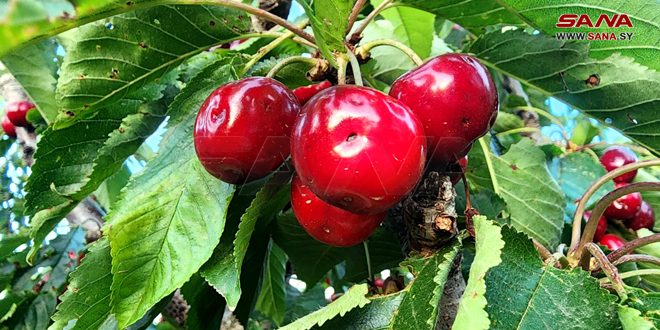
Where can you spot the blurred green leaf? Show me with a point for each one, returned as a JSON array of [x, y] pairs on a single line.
[[412, 26]]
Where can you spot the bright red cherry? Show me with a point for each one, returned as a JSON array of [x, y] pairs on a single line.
[[600, 229], [329, 224], [615, 157], [242, 129], [612, 242], [644, 218], [455, 98], [8, 127], [304, 93], [17, 111], [358, 149], [625, 207]]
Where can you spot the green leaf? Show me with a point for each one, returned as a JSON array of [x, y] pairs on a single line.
[[624, 97], [206, 305], [542, 288], [506, 121], [300, 304], [86, 303], [534, 200], [316, 259], [329, 20], [485, 201], [36, 315], [9, 243], [584, 132], [643, 46], [575, 173], [647, 303], [631, 319], [419, 308], [412, 26], [353, 298], [386, 63], [272, 295], [471, 311], [109, 63], [34, 67], [223, 271], [473, 15], [168, 220], [377, 314]]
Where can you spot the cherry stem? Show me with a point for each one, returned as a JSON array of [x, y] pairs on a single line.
[[469, 212], [358, 32], [342, 64], [582, 205], [631, 246], [263, 51], [256, 12], [364, 49], [489, 164], [355, 66], [632, 258], [365, 244], [638, 272], [610, 270], [290, 60], [542, 250], [518, 130], [354, 14], [599, 209]]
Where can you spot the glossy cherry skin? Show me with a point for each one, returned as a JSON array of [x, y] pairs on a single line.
[[601, 229], [615, 157], [625, 207], [358, 149], [242, 130], [612, 242], [8, 127], [329, 224], [644, 218], [455, 98], [304, 93], [17, 112]]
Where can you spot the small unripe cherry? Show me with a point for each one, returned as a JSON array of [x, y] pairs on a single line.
[[455, 98], [17, 112], [644, 218], [8, 127], [612, 242], [615, 157], [304, 93], [329, 224], [624, 207], [601, 229], [242, 130]]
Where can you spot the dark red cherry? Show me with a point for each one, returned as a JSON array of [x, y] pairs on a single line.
[[8, 127], [624, 207], [455, 98], [329, 224], [358, 149], [601, 229], [242, 129], [644, 218], [615, 157], [455, 170], [17, 112], [612, 242], [305, 93]]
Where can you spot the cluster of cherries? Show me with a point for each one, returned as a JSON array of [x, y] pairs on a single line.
[[630, 209], [356, 151], [16, 116]]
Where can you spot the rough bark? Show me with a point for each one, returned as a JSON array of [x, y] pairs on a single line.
[[451, 297]]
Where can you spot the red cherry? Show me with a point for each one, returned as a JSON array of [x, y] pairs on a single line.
[[455, 98], [644, 218], [600, 229], [304, 93], [329, 224], [8, 127], [358, 149], [16, 112], [379, 282], [456, 170], [612, 242], [242, 129], [615, 157], [625, 207]]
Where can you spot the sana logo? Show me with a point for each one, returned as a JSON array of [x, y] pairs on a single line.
[[584, 20]]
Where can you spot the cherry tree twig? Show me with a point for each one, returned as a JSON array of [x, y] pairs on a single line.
[[631, 246], [610, 270]]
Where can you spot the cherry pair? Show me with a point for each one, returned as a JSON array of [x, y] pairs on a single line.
[[15, 116]]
